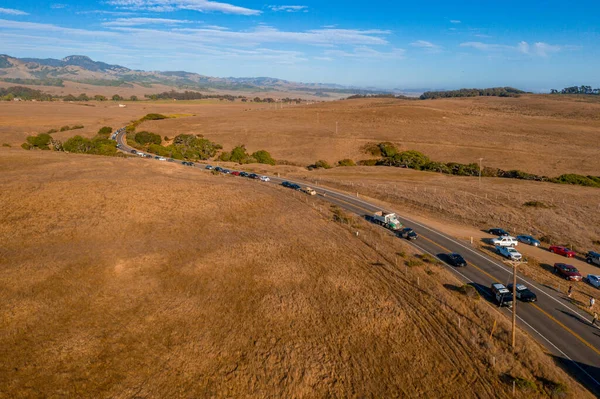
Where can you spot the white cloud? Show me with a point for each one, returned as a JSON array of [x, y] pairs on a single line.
[[12, 11], [144, 21], [289, 8], [482, 36], [427, 46], [58, 6], [216, 27], [172, 5], [368, 54], [323, 58], [455, 21], [539, 49]]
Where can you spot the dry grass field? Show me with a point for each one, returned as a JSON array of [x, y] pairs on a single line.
[[537, 134], [133, 278]]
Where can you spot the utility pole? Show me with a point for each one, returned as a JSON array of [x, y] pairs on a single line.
[[336, 127], [480, 159]]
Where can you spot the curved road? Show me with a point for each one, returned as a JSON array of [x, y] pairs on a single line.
[[560, 327]]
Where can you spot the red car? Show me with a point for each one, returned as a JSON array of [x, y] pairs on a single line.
[[560, 250], [567, 271], [235, 173]]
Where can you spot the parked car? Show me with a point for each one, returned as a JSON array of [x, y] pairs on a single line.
[[560, 250], [141, 154], [286, 184], [147, 156], [593, 258], [456, 260], [118, 145], [295, 186], [253, 176], [161, 158], [505, 241], [593, 279], [529, 240], [170, 160], [523, 293], [226, 171], [219, 169], [498, 232], [567, 271], [235, 173], [508, 253], [264, 178], [244, 174], [502, 295], [133, 151], [308, 190], [208, 167], [187, 163], [156, 157], [408, 233]]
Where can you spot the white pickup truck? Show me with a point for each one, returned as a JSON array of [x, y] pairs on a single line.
[[509, 253], [505, 241]]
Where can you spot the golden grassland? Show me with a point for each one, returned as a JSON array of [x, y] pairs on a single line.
[[536, 134], [128, 277]]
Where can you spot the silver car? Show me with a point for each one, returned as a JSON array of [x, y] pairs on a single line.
[[525, 239]]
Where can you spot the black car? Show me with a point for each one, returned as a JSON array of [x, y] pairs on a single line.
[[219, 169], [244, 174], [523, 293], [286, 184], [209, 167], [294, 186], [226, 171], [187, 163], [156, 157], [170, 160], [498, 232], [456, 260], [253, 176], [133, 151], [408, 233]]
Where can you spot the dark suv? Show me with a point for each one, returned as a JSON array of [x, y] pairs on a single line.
[[498, 232]]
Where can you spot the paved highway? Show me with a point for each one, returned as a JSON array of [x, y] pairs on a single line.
[[563, 329]]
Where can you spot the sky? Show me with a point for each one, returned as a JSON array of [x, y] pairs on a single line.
[[532, 45]]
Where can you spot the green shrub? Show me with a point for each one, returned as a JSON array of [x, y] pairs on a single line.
[[239, 154], [387, 149], [145, 137], [51, 131], [65, 128], [263, 156], [413, 262], [40, 141], [320, 165], [105, 131], [372, 149], [75, 127], [153, 117], [469, 291], [428, 259], [130, 129], [225, 156], [6, 145], [78, 144], [166, 138], [26, 146], [97, 146], [589, 181], [346, 162]]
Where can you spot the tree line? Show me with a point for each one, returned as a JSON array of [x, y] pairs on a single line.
[[577, 90], [489, 92]]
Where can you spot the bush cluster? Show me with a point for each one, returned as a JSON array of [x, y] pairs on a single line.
[[105, 131], [144, 138], [320, 164], [97, 146], [241, 156], [346, 162], [41, 142]]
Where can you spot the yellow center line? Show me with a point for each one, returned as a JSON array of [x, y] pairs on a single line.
[[573, 333]]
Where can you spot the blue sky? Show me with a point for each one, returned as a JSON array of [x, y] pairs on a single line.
[[534, 45]]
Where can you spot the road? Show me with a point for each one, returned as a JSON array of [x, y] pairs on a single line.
[[560, 327]]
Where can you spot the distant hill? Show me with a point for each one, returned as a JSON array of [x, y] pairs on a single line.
[[82, 69]]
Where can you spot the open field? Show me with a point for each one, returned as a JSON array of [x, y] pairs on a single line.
[[127, 277], [537, 134]]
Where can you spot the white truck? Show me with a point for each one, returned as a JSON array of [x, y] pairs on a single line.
[[505, 241], [386, 219], [508, 252]]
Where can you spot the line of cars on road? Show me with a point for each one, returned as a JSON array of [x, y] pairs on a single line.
[[306, 190], [237, 173], [505, 243]]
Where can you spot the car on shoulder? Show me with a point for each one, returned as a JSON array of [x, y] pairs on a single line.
[[408, 233], [133, 151], [147, 156], [161, 158], [253, 176], [235, 173], [308, 190], [529, 240], [187, 163], [226, 171], [523, 293], [593, 279], [219, 169], [170, 160], [208, 167], [593, 258], [265, 178], [156, 157], [508, 253], [560, 250], [119, 145], [498, 232], [295, 186], [286, 184], [141, 154], [505, 241], [456, 260], [567, 272], [244, 174], [502, 295]]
